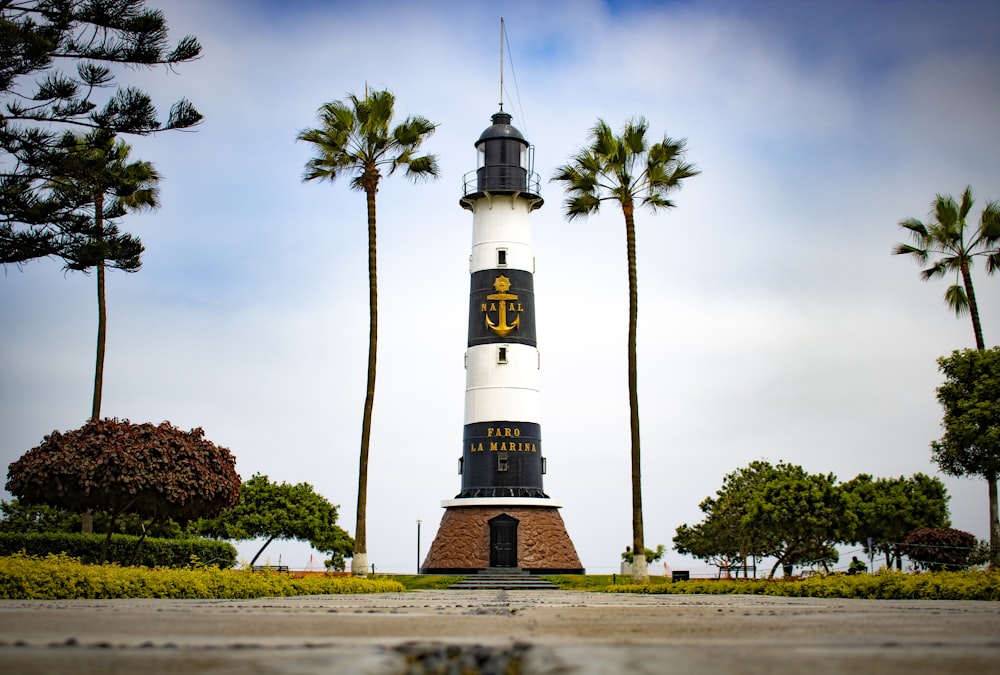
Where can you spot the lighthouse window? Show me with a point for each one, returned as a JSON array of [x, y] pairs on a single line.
[[461, 464], [502, 355], [502, 461], [501, 257], [544, 467]]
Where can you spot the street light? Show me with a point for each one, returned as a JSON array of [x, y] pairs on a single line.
[[418, 545]]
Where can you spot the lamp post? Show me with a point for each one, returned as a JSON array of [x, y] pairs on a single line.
[[418, 545]]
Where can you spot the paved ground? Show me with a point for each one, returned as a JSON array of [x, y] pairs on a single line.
[[541, 633]]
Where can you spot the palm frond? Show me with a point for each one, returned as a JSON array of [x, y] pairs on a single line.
[[581, 206], [634, 136], [966, 206], [939, 269], [993, 263], [989, 224], [956, 299], [422, 168], [917, 230], [945, 212], [920, 254]]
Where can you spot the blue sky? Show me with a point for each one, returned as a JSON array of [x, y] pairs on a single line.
[[774, 323]]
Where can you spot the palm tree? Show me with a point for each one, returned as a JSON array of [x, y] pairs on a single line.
[[628, 170], [355, 137], [93, 171], [945, 238]]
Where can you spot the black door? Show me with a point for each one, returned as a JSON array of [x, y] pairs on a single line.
[[503, 542]]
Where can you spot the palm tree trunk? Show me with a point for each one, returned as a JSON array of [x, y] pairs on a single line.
[[991, 479], [640, 573], [977, 327], [359, 562]]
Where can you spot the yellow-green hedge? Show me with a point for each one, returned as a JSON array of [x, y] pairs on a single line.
[[972, 585], [57, 577]]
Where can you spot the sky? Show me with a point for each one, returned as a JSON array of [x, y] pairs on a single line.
[[774, 323]]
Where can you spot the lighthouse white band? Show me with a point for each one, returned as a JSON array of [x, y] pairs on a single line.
[[504, 224], [502, 501]]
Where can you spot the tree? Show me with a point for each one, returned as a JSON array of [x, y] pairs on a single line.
[[40, 99], [802, 514], [628, 170], [764, 510], [946, 239], [940, 548], [156, 472], [354, 137], [722, 538], [95, 174], [281, 511], [888, 509], [18, 517], [970, 446]]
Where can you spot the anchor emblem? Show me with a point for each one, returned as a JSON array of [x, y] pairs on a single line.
[[504, 303]]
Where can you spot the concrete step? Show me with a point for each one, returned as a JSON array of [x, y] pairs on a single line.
[[503, 578]]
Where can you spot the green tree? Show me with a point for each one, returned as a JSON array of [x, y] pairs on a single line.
[[40, 98], [722, 538], [970, 446], [354, 137], [763, 510], [946, 241], [18, 517], [281, 511], [156, 472], [888, 509], [803, 515], [95, 174], [629, 171]]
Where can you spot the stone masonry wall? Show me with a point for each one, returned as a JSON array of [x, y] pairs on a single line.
[[463, 539]]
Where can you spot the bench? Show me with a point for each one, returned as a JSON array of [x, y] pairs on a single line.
[[730, 569]]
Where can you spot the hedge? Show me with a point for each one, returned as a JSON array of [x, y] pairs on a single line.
[[153, 552], [886, 585], [58, 577]]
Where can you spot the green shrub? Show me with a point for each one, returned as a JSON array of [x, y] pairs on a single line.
[[59, 577], [887, 585], [152, 552]]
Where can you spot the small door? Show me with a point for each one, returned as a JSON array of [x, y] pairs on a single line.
[[503, 542]]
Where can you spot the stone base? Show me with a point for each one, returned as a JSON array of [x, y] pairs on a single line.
[[462, 544]]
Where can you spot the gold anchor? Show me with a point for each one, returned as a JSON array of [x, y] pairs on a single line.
[[502, 285]]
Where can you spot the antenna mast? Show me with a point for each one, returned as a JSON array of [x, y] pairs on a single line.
[[501, 64]]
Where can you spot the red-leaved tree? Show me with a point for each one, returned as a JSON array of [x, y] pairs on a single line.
[[154, 471]]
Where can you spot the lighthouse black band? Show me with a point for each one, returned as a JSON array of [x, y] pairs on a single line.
[[502, 459], [502, 307]]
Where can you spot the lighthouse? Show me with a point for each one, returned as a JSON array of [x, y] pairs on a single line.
[[502, 516]]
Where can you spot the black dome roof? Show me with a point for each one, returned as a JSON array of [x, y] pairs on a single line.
[[501, 128]]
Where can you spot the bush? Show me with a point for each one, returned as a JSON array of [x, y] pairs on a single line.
[[886, 585], [152, 552], [940, 548], [59, 577]]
